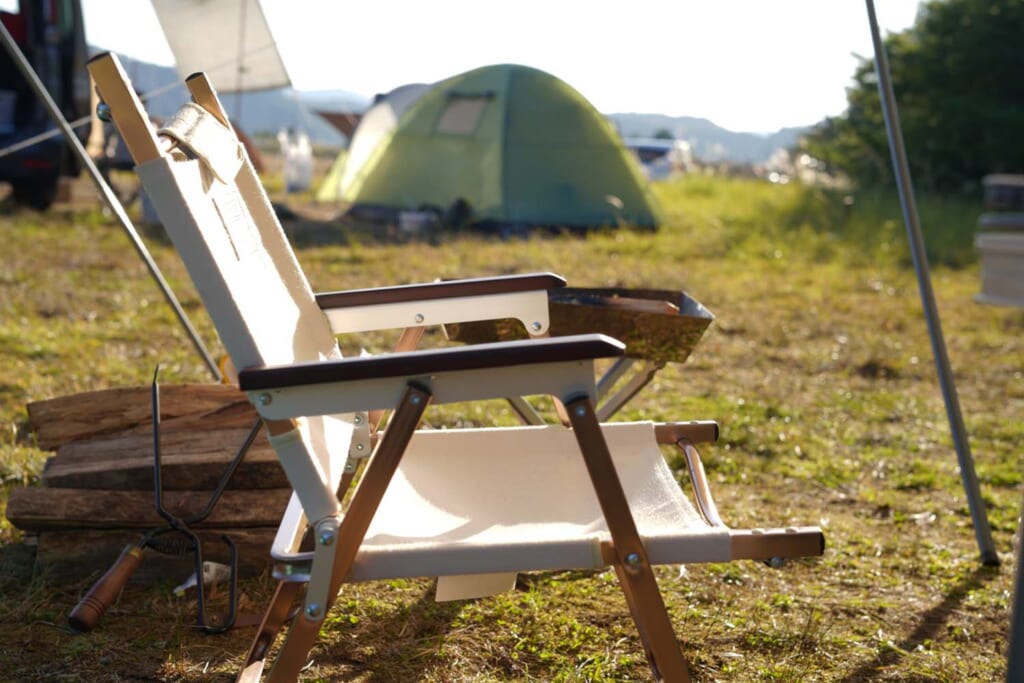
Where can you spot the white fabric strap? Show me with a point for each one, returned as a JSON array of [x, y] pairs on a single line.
[[201, 133]]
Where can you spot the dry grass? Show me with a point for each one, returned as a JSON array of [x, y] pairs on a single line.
[[818, 368]]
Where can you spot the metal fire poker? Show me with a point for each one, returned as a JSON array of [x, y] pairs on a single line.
[[177, 538]]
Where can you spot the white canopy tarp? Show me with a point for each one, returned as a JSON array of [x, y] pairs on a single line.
[[230, 40]]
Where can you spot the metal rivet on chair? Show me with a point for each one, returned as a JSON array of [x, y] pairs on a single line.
[[103, 112], [536, 326], [360, 447], [581, 411], [359, 419], [265, 399], [419, 317], [313, 610], [633, 560], [326, 537]]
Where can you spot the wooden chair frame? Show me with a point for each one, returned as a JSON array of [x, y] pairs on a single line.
[[406, 382]]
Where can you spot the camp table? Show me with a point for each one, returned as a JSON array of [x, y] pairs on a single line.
[[657, 326]]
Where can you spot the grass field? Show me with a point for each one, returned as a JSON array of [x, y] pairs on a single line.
[[818, 368]]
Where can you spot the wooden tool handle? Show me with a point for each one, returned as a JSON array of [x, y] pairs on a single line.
[[90, 610]]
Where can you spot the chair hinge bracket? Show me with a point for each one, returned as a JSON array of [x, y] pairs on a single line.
[[318, 598]]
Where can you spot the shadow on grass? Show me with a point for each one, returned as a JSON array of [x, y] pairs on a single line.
[[302, 231], [433, 620], [929, 626], [397, 644], [306, 229], [17, 561]]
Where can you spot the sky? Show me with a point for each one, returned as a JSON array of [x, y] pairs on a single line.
[[747, 65]]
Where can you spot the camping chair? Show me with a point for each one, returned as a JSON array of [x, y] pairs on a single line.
[[464, 505]]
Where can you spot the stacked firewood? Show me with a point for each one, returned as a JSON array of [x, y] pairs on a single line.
[[97, 490]]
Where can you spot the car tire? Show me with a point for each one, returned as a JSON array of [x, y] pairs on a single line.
[[38, 193]]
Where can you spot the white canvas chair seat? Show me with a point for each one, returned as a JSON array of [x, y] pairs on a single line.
[[474, 505], [492, 500]]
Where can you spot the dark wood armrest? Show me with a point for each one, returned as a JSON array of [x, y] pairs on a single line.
[[505, 284], [418, 363], [696, 431]]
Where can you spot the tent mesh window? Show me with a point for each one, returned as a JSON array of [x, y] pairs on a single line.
[[462, 114]]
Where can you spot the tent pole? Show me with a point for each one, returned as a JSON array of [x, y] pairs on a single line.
[[901, 170], [1015, 656], [108, 195]]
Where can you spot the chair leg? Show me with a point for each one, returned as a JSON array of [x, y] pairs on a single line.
[[638, 619], [276, 614], [379, 471], [407, 341], [273, 619], [636, 576]]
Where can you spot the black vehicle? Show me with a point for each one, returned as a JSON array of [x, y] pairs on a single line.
[[51, 33]]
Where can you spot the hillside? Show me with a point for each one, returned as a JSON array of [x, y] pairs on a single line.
[[269, 111], [256, 112], [709, 141]]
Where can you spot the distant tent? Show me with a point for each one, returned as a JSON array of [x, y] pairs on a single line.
[[508, 145], [375, 126]]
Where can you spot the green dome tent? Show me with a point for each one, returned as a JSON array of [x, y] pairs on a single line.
[[507, 145]]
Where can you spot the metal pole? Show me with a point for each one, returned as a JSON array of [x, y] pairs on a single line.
[[906, 191], [1015, 655], [108, 195]]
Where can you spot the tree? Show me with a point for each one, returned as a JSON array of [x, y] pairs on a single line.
[[957, 78]]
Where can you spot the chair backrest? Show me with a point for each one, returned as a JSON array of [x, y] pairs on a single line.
[[216, 213], [234, 248]]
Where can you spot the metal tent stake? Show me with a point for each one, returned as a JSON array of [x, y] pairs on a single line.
[[906, 191], [108, 195]]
